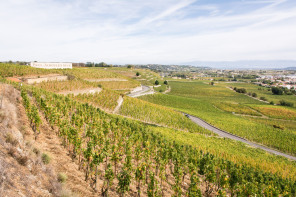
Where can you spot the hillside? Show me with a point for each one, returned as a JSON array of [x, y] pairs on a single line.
[[102, 153]]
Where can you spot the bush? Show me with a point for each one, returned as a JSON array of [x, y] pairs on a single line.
[[10, 139], [138, 74], [62, 177], [271, 103], [45, 158], [254, 94], [156, 82], [241, 90], [286, 103], [277, 91], [166, 82], [36, 151], [263, 98], [23, 160]]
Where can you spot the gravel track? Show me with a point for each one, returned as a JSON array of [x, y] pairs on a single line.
[[225, 134]]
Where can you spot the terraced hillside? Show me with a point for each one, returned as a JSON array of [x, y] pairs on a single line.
[[117, 155]]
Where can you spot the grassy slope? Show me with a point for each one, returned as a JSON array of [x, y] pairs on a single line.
[[157, 114]]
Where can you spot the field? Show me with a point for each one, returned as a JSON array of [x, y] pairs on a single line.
[[119, 85], [106, 99], [156, 114], [278, 112], [236, 108], [69, 85], [201, 99]]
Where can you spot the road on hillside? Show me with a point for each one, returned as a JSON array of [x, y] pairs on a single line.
[[145, 90], [225, 134]]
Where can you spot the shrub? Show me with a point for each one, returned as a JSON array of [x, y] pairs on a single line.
[[254, 94], [10, 139], [23, 160], [45, 158], [70, 77], [241, 90], [271, 103], [156, 82], [263, 98], [277, 91], [138, 74], [286, 103], [36, 151], [62, 177], [166, 82], [12, 151]]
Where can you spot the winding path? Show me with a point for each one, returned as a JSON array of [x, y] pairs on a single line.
[[225, 134], [145, 90]]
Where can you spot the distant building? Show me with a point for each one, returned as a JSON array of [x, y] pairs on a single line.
[[52, 65]]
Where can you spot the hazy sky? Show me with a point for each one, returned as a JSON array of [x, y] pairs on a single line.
[[153, 31]]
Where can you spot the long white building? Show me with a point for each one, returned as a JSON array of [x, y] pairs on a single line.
[[52, 65]]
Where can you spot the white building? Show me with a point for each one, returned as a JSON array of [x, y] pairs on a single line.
[[52, 65]]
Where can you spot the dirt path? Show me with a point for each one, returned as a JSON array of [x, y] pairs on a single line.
[[84, 91], [106, 79], [167, 91], [119, 103]]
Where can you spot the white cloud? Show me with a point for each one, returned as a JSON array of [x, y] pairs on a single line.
[[145, 32]]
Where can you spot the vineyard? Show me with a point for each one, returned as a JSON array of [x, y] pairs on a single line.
[[152, 113], [200, 99], [66, 86], [236, 108], [155, 155], [93, 73], [126, 152], [106, 99], [119, 85], [279, 112], [11, 70]]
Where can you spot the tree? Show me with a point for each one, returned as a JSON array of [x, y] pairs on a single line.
[[166, 82], [156, 82], [138, 74], [277, 91], [130, 66], [254, 94], [101, 64]]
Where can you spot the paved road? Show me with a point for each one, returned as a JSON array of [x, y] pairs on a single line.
[[145, 90], [225, 134]]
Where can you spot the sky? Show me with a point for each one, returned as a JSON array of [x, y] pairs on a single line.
[[141, 32]]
